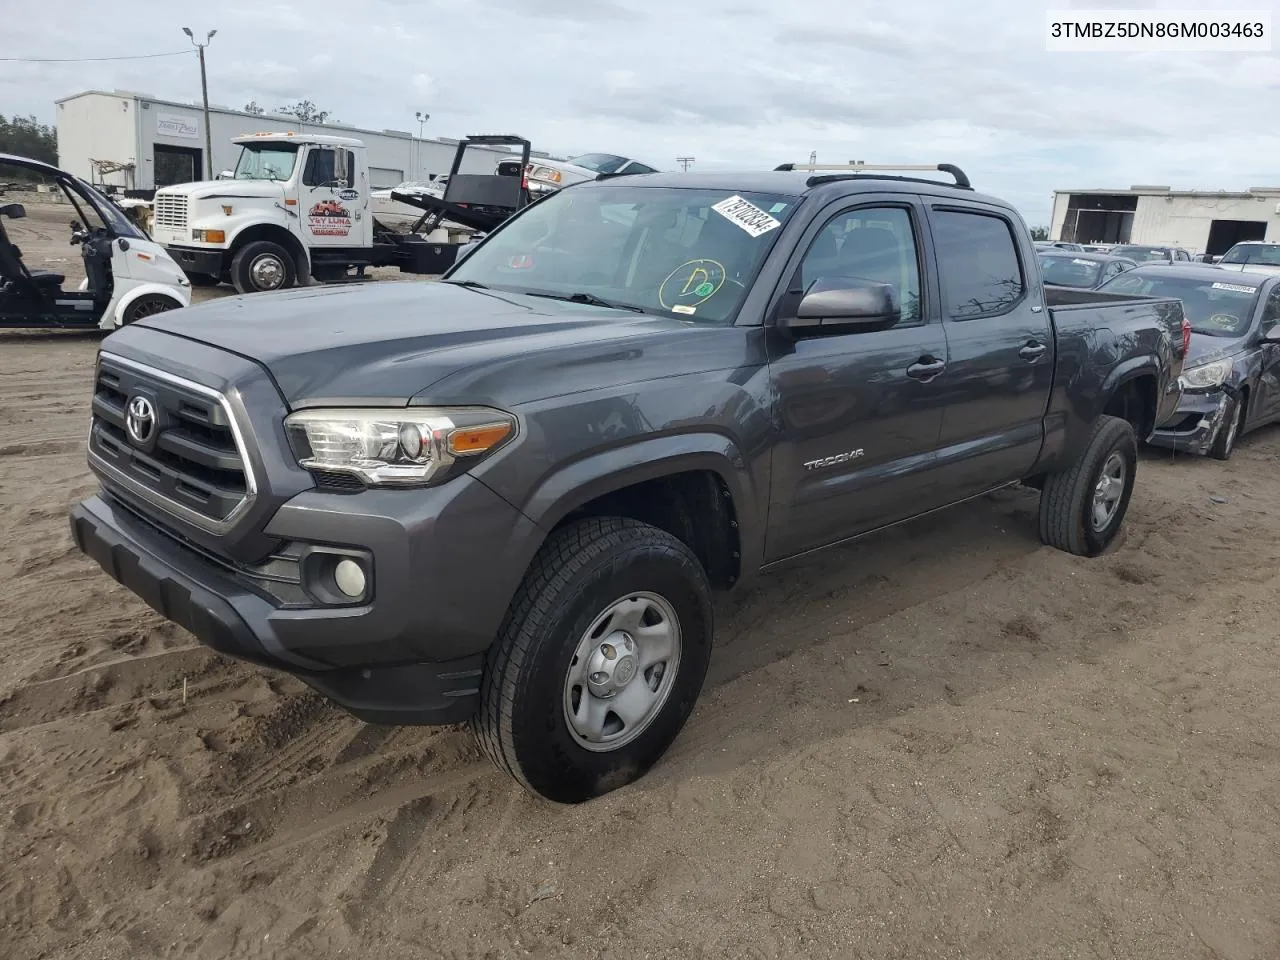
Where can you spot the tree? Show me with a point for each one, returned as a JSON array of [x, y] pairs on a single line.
[[1039, 233], [28, 137], [252, 107], [305, 111]]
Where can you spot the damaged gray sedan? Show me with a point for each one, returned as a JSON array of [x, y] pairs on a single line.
[[1231, 381]]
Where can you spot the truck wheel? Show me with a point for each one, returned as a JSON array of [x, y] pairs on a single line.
[[1224, 444], [148, 306], [600, 660], [261, 266], [202, 279], [1082, 507]]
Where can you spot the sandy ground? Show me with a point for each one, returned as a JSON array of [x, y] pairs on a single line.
[[944, 742]]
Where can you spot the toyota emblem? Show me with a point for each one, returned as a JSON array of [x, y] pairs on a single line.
[[140, 421]]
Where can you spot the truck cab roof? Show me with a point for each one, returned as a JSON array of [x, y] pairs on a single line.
[[299, 138]]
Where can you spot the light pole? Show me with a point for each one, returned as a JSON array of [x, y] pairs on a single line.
[[684, 162], [204, 93], [422, 119]]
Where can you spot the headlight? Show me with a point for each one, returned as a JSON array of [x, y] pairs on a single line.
[[1207, 376], [546, 173], [403, 447]]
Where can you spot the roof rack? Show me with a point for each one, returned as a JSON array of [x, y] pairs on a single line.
[[855, 169]]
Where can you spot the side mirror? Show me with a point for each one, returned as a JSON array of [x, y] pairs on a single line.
[[75, 226], [1272, 335], [226, 175], [834, 305]]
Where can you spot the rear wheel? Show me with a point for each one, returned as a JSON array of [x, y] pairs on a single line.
[[148, 306], [600, 662], [1082, 508], [1224, 444], [262, 266]]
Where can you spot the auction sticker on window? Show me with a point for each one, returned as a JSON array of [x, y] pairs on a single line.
[[746, 215], [1235, 288]]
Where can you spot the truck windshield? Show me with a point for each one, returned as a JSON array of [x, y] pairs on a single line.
[[1215, 308], [266, 161], [1267, 254], [1070, 271], [688, 253], [1143, 254]]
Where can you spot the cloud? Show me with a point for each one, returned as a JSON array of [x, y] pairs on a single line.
[[735, 83]]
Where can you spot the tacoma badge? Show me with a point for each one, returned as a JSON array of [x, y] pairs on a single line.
[[832, 461]]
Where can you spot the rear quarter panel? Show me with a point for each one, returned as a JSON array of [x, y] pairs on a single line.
[[1103, 342]]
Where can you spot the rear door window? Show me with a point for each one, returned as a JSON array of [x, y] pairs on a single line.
[[977, 263]]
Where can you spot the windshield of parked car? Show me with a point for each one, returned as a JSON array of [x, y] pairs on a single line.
[[599, 162], [266, 161], [1215, 308], [1143, 254], [1070, 271], [688, 254], [1267, 254]]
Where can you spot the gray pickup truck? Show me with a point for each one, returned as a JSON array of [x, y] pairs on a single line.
[[506, 498]]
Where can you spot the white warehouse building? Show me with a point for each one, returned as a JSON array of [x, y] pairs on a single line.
[[1199, 221], [139, 142]]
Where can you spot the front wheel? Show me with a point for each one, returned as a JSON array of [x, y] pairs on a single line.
[[600, 661], [1224, 444], [1083, 507], [148, 306], [262, 266]]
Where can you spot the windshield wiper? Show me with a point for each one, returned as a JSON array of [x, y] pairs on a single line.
[[588, 298], [473, 284]]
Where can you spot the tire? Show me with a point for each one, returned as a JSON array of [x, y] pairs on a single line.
[[528, 696], [1067, 502], [262, 266], [148, 306], [203, 279], [1224, 444]]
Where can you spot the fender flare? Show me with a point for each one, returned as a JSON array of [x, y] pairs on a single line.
[[605, 471], [1122, 374], [116, 310], [301, 255]]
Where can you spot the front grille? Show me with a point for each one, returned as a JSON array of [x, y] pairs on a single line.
[[170, 210], [190, 463]]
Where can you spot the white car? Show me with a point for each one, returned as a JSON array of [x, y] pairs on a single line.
[[1255, 256], [547, 176]]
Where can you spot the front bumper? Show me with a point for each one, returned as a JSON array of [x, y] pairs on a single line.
[[400, 658], [197, 259], [1195, 423]]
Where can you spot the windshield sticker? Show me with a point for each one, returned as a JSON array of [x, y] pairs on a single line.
[[1235, 287], [746, 215], [1223, 321], [778, 207], [681, 308], [691, 284], [329, 218]]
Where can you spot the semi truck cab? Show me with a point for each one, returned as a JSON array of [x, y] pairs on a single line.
[[295, 206]]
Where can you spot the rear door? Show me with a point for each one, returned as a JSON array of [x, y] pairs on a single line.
[[858, 414], [1000, 370], [1266, 406]]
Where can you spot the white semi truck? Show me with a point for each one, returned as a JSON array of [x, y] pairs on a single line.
[[298, 207]]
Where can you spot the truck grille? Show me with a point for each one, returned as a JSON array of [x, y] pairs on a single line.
[[170, 443], [170, 210]]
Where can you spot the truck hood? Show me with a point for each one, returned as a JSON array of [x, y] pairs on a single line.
[[220, 189], [398, 342]]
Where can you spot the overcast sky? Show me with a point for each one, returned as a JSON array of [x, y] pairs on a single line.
[[733, 83]]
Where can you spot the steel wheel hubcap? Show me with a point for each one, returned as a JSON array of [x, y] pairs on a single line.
[[1108, 491], [622, 672], [267, 272]]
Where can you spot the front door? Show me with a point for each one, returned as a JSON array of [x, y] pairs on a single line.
[[330, 201], [1002, 359], [1266, 405], [858, 414]]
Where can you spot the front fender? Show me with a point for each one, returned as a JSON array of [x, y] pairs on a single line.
[[605, 471], [114, 315]]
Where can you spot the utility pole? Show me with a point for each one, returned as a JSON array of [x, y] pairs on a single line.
[[684, 162], [204, 93]]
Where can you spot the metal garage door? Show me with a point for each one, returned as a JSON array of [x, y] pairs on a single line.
[[380, 178]]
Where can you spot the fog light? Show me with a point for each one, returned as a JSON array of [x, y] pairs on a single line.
[[349, 578]]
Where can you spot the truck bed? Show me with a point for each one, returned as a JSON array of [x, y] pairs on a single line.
[[1071, 298]]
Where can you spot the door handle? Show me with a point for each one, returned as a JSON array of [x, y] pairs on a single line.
[[1034, 350], [926, 368]]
